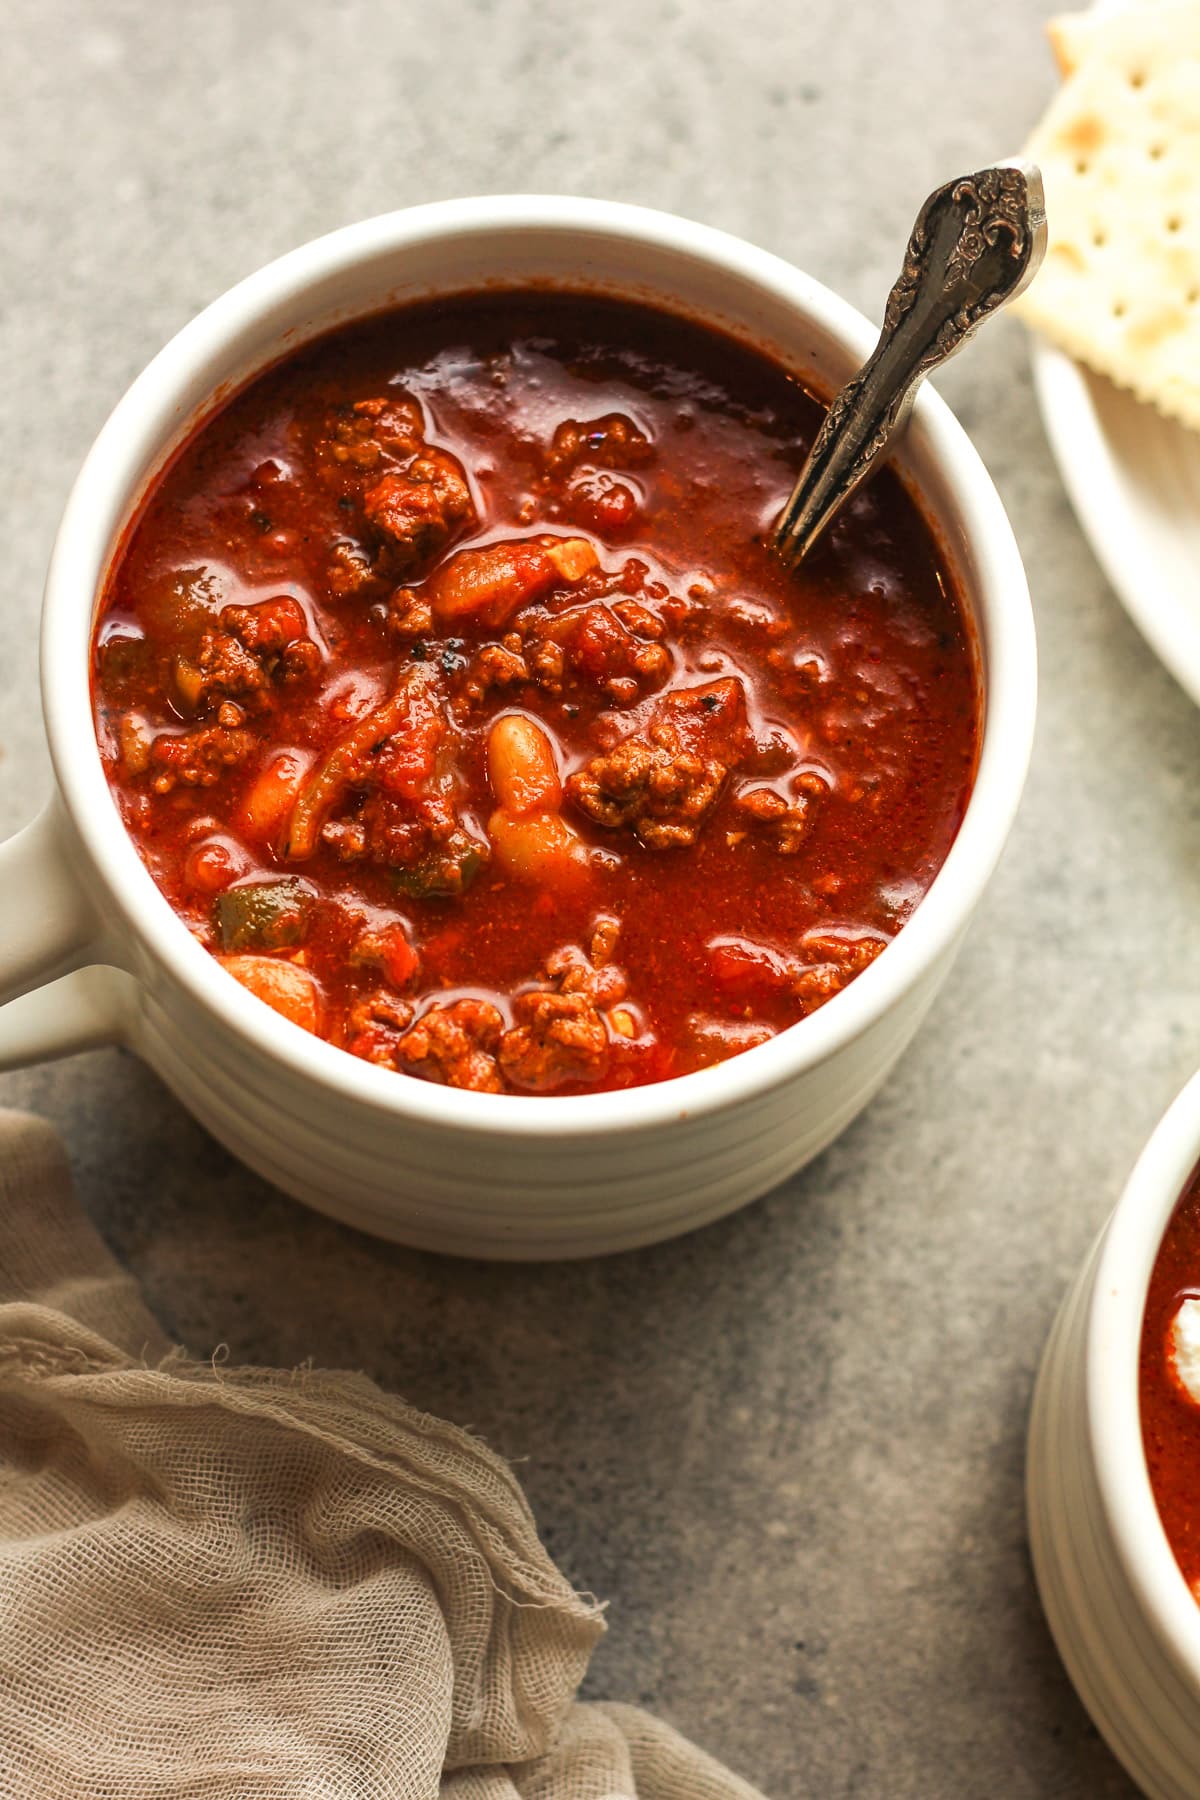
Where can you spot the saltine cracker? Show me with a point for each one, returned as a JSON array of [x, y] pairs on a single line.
[[1119, 149]]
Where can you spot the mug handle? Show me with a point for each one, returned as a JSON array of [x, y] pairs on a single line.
[[56, 995]]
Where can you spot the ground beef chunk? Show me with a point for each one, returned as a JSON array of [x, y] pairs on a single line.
[[557, 1038], [255, 647], [381, 1008], [495, 666], [664, 781], [596, 642], [786, 820], [427, 847], [349, 570], [611, 442], [446, 476], [595, 977], [300, 662], [374, 1026], [408, 516], [818, 983], [416, 511], [197, 758], [347, 838], [605, 933], [831, 962], [547, 665], [222, 666], [650, 783], [362, 434], [638, 618], [560, 1033], [455, 1045], [418, 496], [276, 632], [409, 614]]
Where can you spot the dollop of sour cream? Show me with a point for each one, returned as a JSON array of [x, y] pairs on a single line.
[[1184, 1346]]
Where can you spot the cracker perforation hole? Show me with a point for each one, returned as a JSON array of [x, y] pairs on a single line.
[[1137, 78], [1156, 152], [1099, 239], [1174, 222], [1118, 311], [1082, 166]]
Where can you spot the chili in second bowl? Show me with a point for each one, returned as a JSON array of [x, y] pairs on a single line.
[[1169, 1383]]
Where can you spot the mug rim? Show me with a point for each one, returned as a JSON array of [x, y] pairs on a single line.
[[147, 418], [1114, 1329]]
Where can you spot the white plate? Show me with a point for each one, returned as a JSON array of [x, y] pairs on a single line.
[[1134, 480]]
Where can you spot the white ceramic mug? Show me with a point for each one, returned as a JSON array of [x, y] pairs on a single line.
[[1125, 1622], [83, 926]]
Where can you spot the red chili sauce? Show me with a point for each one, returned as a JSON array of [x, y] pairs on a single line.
[[1170, 1419], [452, 695]]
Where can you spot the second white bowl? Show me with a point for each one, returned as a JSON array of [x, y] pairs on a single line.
[[1125, 1622]]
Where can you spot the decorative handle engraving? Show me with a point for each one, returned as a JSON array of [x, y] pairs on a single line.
[[976, 244]]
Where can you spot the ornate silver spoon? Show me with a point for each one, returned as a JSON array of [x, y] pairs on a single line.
[[976, 244]]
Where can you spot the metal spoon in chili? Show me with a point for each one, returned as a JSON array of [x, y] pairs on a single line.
[[977, 243]]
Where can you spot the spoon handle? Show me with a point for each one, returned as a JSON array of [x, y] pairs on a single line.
[[977, 243]]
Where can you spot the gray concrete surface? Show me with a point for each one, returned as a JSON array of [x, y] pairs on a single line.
[[788, 1450]]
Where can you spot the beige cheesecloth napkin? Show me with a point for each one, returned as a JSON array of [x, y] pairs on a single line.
[[248, 1584]]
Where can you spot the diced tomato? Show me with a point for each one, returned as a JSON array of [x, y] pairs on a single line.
[[408, 758], [710, 720], [601, 646], [492, 583], [268, 624]]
